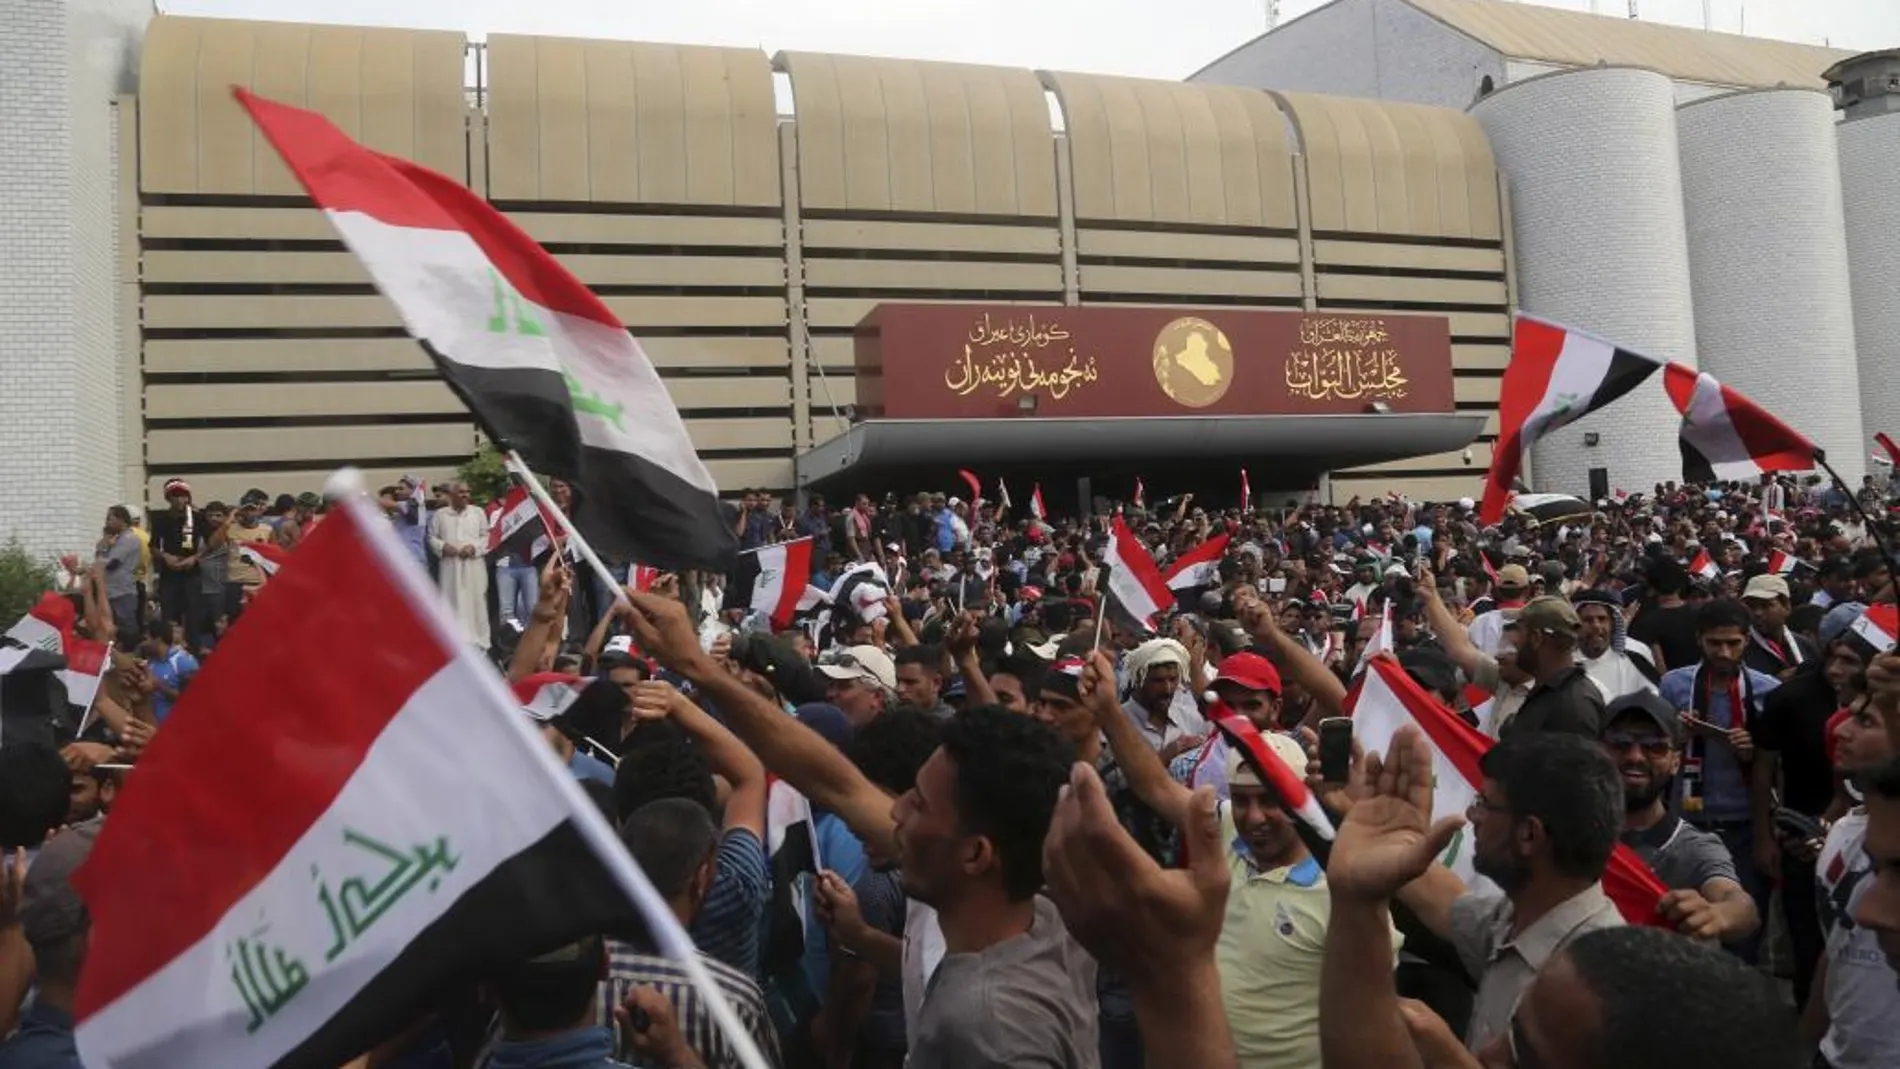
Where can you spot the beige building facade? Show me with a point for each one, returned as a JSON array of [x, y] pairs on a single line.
[[741, 245]]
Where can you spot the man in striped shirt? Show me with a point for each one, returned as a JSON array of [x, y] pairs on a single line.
[[675, 842]]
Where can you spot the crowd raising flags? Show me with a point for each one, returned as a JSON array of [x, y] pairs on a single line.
[[1558, 375], [544, 365], [360, 872]]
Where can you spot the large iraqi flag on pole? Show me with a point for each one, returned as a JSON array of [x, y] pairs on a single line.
[[1387, 699], [1556, 377], [1134, 582], [1725, 436], [288, 890], [545, 366]]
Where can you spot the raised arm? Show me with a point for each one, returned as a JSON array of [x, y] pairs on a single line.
[[796, 753], [900, 627], [960, 643], [1147, 776], [1445, 627], [544, 623], [745, 806], [1328, 693]]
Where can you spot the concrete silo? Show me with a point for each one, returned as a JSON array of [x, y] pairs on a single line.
[[1596, 201], [1761, 183], [1868, 89]]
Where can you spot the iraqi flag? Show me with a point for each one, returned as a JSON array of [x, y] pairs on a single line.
[[1888, 446], [1141, 494], [1387, 699], [1704, 566], [1035, 502], [1725, 436], [782, 587], [51, 625], [791, 842], [1199, 566], [518, 527], [1879, 627], [266, 557], [288, 891], [1002, 493], [1315, 828], [1556, 376], [1781, 562], [544, 365], [1134, 583], [976, 490]]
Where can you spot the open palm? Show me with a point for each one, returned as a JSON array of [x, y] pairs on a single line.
[[1388, 839]]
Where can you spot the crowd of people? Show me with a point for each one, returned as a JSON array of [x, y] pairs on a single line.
[[1032, 846]]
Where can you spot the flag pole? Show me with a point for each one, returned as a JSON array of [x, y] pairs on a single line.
[[535, 490], [1101, 616], [1873, 528], [85, 718]]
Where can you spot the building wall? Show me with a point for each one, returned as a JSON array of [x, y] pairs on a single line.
[[1768, 256], [1870, 158], [61, 63], [1379, 49], [743, 248], [1596, 196]]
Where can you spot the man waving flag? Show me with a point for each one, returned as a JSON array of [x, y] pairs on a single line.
[[544, 365], [288, 891], [1135, 584], [1199, 566]]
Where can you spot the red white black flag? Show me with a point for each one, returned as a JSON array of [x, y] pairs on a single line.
[[288, 891], [543, 364], [1725, 436], [1556, 376]]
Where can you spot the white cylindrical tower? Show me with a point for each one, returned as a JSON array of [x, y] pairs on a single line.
[[1761, 185], [1869, 139], [1596, 205]]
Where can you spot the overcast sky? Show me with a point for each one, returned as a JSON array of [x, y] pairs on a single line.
[[1146, 38]]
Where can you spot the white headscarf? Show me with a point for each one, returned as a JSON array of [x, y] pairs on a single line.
[[1149, 654]]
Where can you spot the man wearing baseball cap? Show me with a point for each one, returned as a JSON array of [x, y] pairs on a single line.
[[1643, 734], [863, 682], [178, 538], [1563, 697], [1247, 684], [1509, 590], [1774, 648], [55, 923]]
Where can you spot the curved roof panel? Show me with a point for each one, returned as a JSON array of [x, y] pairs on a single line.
[[1580, 39], [1379, 167], [910, 136], [397, 91], [1168, 152], [622, 122]]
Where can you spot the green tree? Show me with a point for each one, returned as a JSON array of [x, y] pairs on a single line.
[[487, 477], [23, 578]]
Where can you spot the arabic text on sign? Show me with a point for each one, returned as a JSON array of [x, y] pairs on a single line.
[[1028, 334], [1342, 374], [1011, 373]]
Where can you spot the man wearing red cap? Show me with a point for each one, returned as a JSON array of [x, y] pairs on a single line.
[[1248, 684], [179, 537]]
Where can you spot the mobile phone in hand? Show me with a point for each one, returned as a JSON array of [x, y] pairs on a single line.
[[1335, 749]]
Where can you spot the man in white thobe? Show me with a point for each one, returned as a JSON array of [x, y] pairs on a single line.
[[459, 536]]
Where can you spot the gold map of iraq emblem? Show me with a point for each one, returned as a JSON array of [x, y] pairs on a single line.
[[1194, 365]]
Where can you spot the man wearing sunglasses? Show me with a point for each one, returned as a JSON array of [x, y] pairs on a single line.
[[1705, 898]]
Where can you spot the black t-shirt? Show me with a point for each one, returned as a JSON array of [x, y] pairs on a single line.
[[1793, 723], [1673, 630], [1569, 702], [168, 536]]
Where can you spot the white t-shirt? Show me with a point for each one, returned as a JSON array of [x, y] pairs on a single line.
[[1863, 996], [923, 952], [1614, 674]]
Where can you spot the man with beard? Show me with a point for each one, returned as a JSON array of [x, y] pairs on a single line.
[[1855, 1016], [1543, 826], [1600, 645], [1564, 697], [1705, 899], [1719, 699], [1013, 988]]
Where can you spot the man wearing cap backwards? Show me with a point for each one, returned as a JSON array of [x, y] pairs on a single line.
[[1773, 648], [178, 536], [1274, 932], [1643, 735], [863, 682], [54, 922]]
